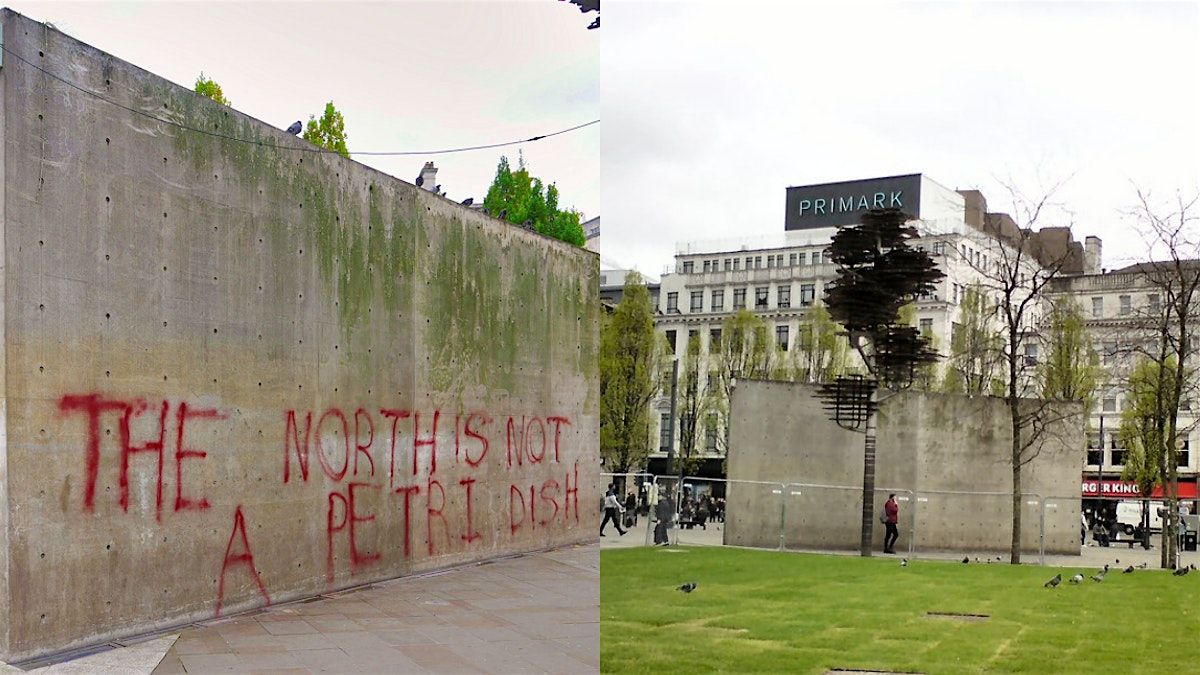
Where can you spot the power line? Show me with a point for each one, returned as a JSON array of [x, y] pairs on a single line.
[[314, 149]]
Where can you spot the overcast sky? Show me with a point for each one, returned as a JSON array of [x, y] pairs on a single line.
[[406, 75], [712, 109]]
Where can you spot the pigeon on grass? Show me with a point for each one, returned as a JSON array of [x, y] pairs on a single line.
[[688, 587], [1078, 578], [1053, 583], [1181, 571], [1128, 570]]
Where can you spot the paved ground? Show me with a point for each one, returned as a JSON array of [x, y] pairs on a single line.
[[1090, 556], [538, 613]]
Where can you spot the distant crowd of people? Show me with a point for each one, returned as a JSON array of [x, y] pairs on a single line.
[[693, 511]]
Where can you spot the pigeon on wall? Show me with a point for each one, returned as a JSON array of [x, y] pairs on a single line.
[[1053, 583], [468, 201], [295, 128]]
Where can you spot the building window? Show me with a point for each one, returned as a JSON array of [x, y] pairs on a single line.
[[672, 302], [1110, 405], [671, 341], [697, 301], [783, 296], [707, 266], [693, 336], [749, 263], [802, 257], [1126, 305], [760, 297], [791, 260], [718, 300], [770, 261], [1095, 451], [664, 432], [781, 337], [736, 261], [1153, 301], [1097, 308], [926, 326], [710, 433], [758, 262], [807, 293], [739, 298], [728, 263], [1031, 354], [688, 266], [714, 339], [1118, 458], [827, 256], [939, 248], [1110, 352], [1183, 455]]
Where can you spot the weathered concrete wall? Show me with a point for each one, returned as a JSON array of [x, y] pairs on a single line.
[[238, 374], [931, 444]]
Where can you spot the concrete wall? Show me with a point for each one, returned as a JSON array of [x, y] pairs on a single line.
[[932, 444], [238, 373]]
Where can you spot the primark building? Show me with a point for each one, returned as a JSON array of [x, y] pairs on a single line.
[[781, 277]]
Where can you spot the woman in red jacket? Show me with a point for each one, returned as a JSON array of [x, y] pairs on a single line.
[[891, 512]]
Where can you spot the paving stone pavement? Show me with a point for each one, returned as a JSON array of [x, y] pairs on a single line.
[[537, 613]]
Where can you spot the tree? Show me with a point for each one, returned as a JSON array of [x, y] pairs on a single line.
[[878, 272], [975, 347], [631, 358], [745, 351], [692, 406], [518, 197], [210, 88], [1071, 369], [926, 377], [1170, 235], [1143, 428], [329, 132], [1015, 268], [821, 352]]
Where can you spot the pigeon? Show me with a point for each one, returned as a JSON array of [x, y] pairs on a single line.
[[1191, 567], [1053, 583], [966, 560], [1128, 570], [1181, 571], [688, 587], [503, 214], [468, 201], [1099, 576], [295, 128], [1077, 579], [420, 181], [904, 562], [1142, 566]]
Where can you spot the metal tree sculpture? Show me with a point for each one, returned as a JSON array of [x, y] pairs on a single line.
[[878, 273]]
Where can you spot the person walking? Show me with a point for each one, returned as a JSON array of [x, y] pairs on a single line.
[[664, 513], [612, 511], [891, 516], [631, 509]]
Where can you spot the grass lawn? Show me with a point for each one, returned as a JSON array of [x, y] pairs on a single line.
[[790, 612]]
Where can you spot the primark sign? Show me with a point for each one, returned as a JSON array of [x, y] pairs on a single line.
[[835, 204]]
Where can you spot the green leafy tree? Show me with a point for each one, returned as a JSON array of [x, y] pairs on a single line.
[[926, 378], [631, 358], [523, 199], [692, 407], [1071, 369], [1143, 431], [878, 272], [976, 346], [822, 352], [329, 131], [209, 87], [746, 351]]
